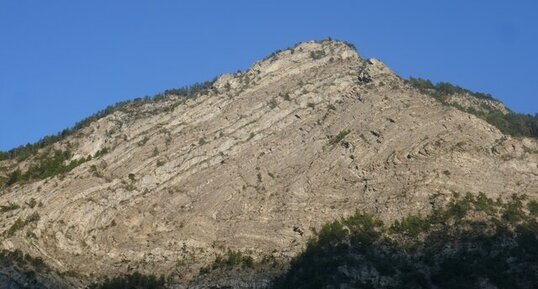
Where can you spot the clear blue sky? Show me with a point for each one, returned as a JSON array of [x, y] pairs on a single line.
[[61, 61]]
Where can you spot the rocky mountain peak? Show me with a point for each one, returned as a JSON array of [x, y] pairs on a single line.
[[293, 61], [256, 163]]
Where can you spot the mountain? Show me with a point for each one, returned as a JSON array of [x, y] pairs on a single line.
[[245, 169]]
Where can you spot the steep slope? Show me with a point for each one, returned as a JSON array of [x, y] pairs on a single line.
[[306, 136], [473, 242]]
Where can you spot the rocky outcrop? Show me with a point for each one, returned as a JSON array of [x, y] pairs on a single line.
[[481, 105], [304, 137]]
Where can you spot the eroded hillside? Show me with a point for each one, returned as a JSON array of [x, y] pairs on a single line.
[[304, 137]]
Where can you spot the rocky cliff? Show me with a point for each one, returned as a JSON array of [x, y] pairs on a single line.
[[253, 164]]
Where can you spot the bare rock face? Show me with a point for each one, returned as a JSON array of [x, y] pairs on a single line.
[[304, 137]]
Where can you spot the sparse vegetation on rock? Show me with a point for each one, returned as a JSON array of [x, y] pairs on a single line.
[[58, 163], [25, 151], [339, 137], [515, 124], [21, 223]]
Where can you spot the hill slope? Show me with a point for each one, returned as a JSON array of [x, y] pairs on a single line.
[[304, 137]]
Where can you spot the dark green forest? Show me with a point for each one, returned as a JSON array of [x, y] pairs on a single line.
[[473, 242], [131, 281]]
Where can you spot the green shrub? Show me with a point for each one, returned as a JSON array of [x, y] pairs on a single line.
[[533, 208], [20, 223], [484, 204], [34, 217], [411, 226], [339, 137], [32, 203], [513, 211], [9, 207], [14, 177], [318, 54], [100, 153]]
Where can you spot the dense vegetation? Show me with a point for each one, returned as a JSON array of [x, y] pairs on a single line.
[[339, 137], [473, 242], [131, 281], [25, 151], [232, 259], [515, 124]]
